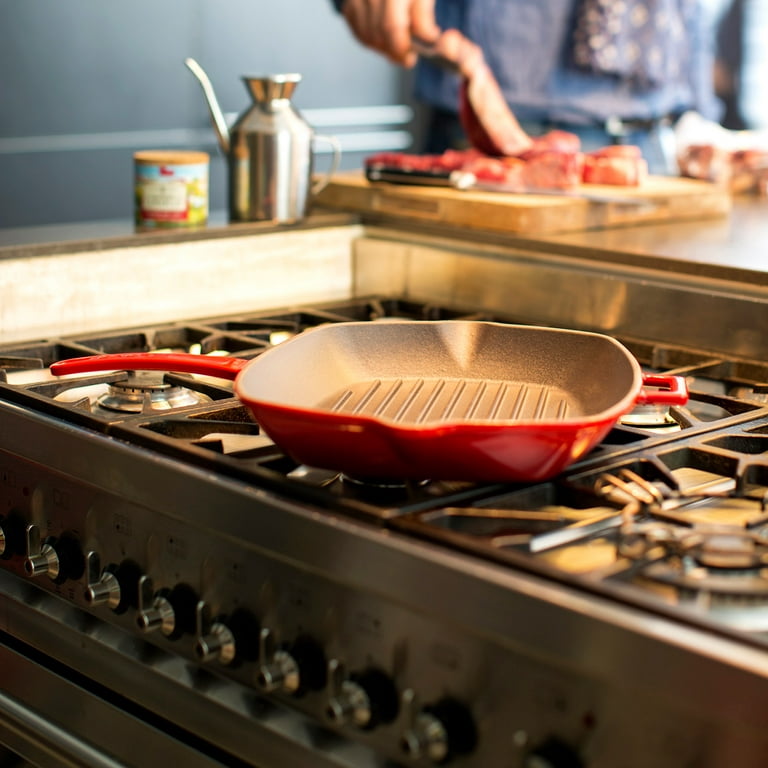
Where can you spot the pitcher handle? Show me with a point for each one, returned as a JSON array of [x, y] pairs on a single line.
[[322, 183]]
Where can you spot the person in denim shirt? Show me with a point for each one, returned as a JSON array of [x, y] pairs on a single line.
[[611, 71]]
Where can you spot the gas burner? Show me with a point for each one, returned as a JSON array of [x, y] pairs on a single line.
[[388, 491], [379, 483], [721, 585], [653, 418], [737, 597], [146, 392], [758, 393], [325, 477], [313, 475], [717, 548], [726, 548], [718, 570]]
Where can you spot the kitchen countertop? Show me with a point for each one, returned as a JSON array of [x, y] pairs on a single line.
[[737, 241], [732, 247], [104, 276], [18, 242]]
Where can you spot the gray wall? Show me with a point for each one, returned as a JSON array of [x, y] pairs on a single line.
[[85, 83]]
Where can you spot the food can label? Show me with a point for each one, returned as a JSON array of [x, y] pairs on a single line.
[[171, 195]]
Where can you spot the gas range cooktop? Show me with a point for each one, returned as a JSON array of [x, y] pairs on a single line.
[[197, 419], [668, 515], [674, 500]]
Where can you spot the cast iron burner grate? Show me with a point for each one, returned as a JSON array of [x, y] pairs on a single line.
[[211, 429], [687, 525]]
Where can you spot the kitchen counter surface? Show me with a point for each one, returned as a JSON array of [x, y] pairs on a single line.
[[18, 242], [731, 247], [106, 276], [736, 242]]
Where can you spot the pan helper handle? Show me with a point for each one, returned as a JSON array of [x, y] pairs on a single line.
[[672, 390], [223, 367]]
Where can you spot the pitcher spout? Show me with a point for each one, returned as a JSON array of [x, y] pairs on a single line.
[[217, 116]]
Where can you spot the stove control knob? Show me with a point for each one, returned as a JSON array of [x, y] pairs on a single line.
[[278, 670], [103, 587], [365, 699], [155, 610], [117, 586], [295, 668], [215, 641], [437, 732], [58, 558], [42, 559]]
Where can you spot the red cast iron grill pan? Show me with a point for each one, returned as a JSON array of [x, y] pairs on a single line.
[[458, 400]]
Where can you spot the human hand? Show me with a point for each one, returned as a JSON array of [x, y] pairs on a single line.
[[389, 26], [398, 28]]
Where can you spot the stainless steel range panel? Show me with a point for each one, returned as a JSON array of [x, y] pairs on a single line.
[[176, 588]]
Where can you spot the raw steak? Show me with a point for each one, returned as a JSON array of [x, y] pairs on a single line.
[[554, 161], [619, 165], [741, 170]]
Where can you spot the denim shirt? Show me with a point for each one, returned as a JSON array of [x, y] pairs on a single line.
[[528, 44]]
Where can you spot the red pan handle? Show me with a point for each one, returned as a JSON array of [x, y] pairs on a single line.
[[223, 367], [674, 390]]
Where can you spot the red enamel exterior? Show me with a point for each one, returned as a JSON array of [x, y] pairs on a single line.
[[287, 388]]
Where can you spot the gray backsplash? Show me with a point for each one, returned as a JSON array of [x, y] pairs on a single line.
[[87, 82]]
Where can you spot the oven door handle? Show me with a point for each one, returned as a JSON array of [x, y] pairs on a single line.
[[35, 737]]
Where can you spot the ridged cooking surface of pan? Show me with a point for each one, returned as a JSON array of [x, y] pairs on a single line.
[[424, 400]]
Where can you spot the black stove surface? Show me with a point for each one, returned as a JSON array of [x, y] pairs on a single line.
[[197, 419], [672, 502]]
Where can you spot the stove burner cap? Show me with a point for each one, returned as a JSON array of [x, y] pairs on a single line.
[[147, 391], [731, 551], [385, 484]]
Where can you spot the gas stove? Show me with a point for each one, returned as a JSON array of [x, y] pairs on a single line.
[[178, 574]]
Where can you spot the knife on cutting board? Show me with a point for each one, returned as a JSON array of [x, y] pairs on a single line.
[[467, 181]]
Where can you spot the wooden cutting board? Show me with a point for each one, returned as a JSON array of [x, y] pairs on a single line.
[[665, 199]]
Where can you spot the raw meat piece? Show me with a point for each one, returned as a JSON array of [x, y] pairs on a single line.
[[457, 159], [553, 162], [741, 170], [483, 111], [555, 141], [704, 161], [625, 168], [736, 160], [488, 122], [404, 162], [508, 171], [553, 170], [618, 150], [749, 171], [450, 160]]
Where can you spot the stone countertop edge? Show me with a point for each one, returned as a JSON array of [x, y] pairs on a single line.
[[124, 237]]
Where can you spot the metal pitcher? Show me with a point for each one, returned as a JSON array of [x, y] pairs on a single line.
[[269, 150]]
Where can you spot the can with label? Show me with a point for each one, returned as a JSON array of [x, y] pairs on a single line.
[[171, 188]]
